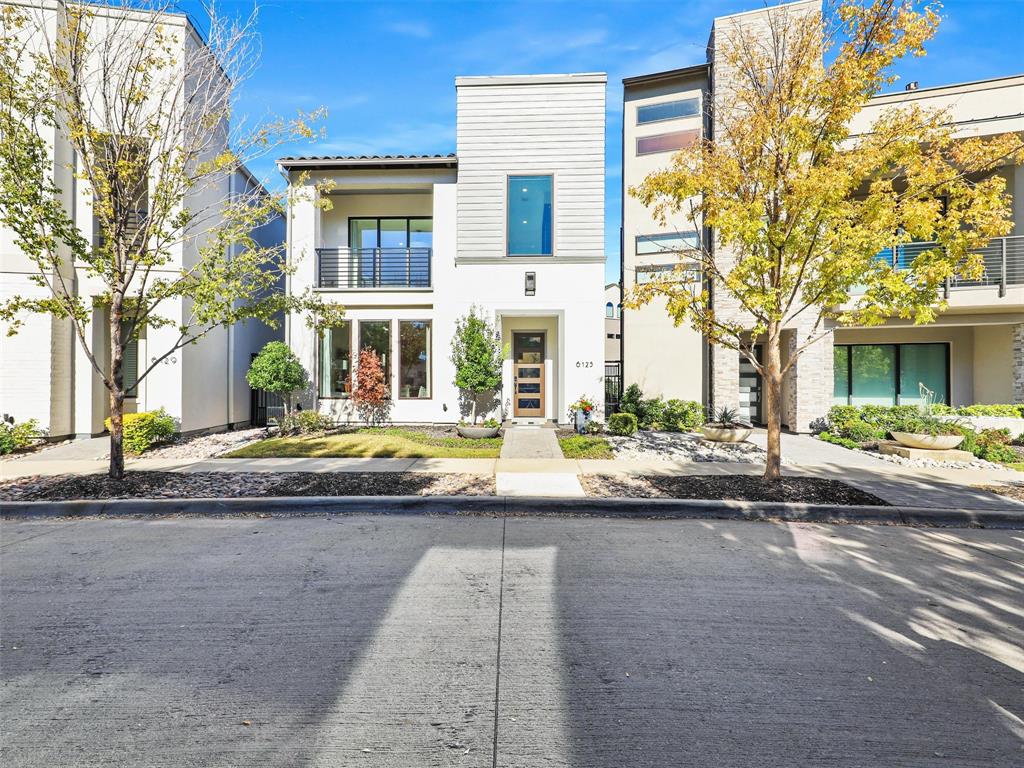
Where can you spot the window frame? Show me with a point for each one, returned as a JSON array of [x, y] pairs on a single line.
[[388, 374], [897, 367], [694, 268], [651, 238], [320, 361], [508, 184], [430, 358], [636, 147], [697, 114], [379, 219]]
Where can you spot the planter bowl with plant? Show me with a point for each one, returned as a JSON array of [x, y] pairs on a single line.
[[724, 427], [488, 428], [928, 432]]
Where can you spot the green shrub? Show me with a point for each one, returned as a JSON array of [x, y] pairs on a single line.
[[860, 431], [888, 417], [649, 412], [993, 445], [828, 437], [594, 427], [304, 423], [277, 369], [141, 430], [840, 414], [1013, 411], [682, 415], [630, 400], [14, 437], [622, 423], [492, 423]]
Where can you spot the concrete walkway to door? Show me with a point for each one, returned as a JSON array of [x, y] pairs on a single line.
[[532, 443]]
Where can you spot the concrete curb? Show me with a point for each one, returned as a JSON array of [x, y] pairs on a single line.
[[534, 506]]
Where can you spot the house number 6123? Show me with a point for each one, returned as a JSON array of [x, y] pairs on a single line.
[[587, 364]]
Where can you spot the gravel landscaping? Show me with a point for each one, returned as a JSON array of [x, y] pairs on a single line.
[[683, 446], [803, 490], [1015, 492], [202, 485], [871, 450]]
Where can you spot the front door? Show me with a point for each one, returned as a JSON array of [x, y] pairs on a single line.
[[751, 388], [528, 373]]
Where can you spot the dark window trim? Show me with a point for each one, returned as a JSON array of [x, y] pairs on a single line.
[[430, 358], [896, 367], [543, 349], [320, 361], [697, 114], [389, 375], [508, 183], [649, 238], [379, 219]]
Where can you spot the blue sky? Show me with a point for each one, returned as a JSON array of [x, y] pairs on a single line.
[[385, 71]]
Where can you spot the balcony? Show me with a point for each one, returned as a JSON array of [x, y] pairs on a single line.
[[388, 269], [1003, 257]]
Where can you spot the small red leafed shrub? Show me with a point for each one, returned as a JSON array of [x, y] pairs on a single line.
[[371, 395]]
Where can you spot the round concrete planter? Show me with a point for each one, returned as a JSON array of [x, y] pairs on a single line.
[[928, 442], [476, 432], [725, 434]]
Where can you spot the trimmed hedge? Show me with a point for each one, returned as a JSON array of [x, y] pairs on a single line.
[[622, 423], [304, 423], [142, 430]]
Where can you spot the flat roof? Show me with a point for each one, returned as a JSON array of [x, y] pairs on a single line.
[[324, 162], [670, 74], [549, 79]]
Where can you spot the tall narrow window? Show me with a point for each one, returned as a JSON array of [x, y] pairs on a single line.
[[336, 361], [414, 363], [841, 375], [376, 334], [922, 364], [609, 310], [874, 375], [130, 363], [530, 201]]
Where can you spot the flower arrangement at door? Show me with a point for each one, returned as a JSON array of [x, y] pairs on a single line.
[[372, 396]]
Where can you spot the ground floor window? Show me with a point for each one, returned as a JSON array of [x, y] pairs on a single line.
[[414, 340], [376, 334], [336, 361], [890, 374], [129, 363]]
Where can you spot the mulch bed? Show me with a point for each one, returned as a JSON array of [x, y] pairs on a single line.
[[202, 485], [801, 490], [1014, 491]]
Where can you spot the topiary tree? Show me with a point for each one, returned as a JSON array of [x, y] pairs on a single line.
[[276, 369], [477, 355], [371, 395]]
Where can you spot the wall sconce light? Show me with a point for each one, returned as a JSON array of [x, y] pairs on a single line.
[[531, 283]]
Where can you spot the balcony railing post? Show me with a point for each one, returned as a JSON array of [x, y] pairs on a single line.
[[1002, 267]]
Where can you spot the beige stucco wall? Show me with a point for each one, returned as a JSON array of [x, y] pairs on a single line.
[[993, 364]]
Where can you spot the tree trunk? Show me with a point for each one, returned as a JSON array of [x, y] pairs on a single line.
[[773, 401], [116, 468]]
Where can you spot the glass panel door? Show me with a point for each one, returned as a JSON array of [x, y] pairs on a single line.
[[922, 364], [874, 374], [363, 237], [750, 389], [528, 371]]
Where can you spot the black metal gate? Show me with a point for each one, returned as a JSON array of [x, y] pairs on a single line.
[[264, 406], [612, 387]]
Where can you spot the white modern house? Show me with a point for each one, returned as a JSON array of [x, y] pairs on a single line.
[[512, 224], [973, 353], [46, 376]]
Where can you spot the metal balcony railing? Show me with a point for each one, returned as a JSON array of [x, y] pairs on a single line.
[[1003, 257], [384, 268]]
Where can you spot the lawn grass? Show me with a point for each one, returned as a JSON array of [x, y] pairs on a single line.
[[1018, 465], [382, 442], [585, 447]]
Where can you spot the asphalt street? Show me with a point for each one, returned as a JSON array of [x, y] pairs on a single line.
[[416, 641]]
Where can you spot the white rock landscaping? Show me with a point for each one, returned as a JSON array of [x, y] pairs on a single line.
[[683, 446]]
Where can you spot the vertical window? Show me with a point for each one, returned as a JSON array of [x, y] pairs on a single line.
[[336, 361], [874, 379], [530, 200], [922, 364], [841, 376], [609, 310], [376, 334], [130, 364], [414, 359]]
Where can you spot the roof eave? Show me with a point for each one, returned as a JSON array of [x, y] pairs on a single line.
[[671, 74]]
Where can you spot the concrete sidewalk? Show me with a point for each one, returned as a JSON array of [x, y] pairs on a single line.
[[893, 483]]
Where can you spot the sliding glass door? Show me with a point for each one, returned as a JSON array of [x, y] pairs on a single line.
[[890, 374]]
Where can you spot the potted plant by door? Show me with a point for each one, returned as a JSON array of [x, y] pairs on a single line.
[[581, 413], [724, 427]]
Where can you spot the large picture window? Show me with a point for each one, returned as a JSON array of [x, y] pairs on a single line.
[[530, 202], [336, 361], [376, 334], [890, 374], [414, 359], [668, 242]]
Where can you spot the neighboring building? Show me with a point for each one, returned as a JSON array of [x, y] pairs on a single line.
[[513, 224], [612, 322], [973, 353], [45, 374]]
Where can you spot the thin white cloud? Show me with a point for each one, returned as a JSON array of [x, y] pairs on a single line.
[[409, 28]]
